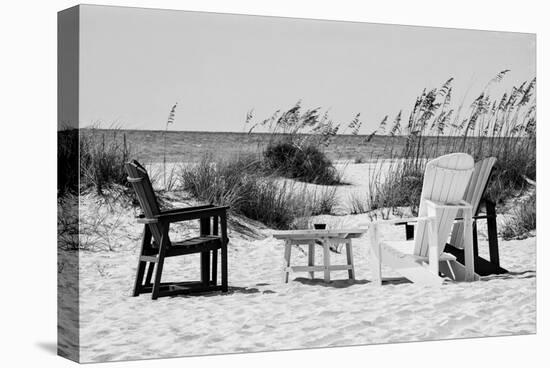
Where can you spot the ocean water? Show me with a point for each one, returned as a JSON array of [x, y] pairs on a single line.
[[186, 146]]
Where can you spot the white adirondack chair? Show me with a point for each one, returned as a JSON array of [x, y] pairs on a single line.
[[421, 260]]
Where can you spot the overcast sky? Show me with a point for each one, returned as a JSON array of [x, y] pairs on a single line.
[[136, 63]]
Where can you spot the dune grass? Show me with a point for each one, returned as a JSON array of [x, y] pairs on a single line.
[[504, 128], [308, 164], [240, 183], [297, 139], [102, 159], [90, 158], [523, 219]]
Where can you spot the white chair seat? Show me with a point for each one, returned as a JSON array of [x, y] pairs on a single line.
[[406, 249]]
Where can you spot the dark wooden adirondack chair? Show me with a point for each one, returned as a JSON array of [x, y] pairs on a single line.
[[475, 196], [156, 244]]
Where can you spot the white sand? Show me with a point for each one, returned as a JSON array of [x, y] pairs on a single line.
[[262, 313]]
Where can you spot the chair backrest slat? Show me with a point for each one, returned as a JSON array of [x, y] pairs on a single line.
[[445, 180], [139, 179], [473, 195]]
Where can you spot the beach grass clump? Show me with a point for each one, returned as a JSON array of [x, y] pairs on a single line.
[[89, 223], [240, 183], [297, 139], [306, 163], [102, 159], [512, 173], [222, 182], [523, 219], [68, 221]]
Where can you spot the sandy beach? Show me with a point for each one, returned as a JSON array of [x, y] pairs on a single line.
[[261, 313]]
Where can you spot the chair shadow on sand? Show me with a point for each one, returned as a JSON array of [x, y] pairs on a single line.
[[509, 275], [527, 274], [231, 290], [337, 284]]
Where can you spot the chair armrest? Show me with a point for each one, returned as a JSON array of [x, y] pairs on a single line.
[[193, 214], [399, 221], [476, 217], [186, 209], [458, 219], [184, 214], [405, 222]]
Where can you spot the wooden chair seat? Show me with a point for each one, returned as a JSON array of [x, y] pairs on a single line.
[[189, 246], [194, 245]]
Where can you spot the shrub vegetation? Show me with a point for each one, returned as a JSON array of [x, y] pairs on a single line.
[[308, 164], [297, 141]]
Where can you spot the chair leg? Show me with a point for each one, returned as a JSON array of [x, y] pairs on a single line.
[[215, 267], [492, 232], [223, 226], [409, 231], [139, 277], [205, 268], [224, 268], [158, 274], [145, 242], [160, 263], [468, 245], [474, 239]]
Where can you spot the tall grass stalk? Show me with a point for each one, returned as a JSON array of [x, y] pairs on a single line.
[[169, 121], [503, 127]]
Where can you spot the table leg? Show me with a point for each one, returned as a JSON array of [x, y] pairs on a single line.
[[288, 248], [349, 254], [326, 258], [311, 258]]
